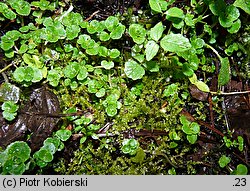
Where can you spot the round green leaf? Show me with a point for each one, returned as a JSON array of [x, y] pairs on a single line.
[[13, 167], [26, 74], [156, 31], [9, 116], [38, 75], [107, 65], [83, 139], [73, 85], [186, 129], [174, 136], [72, 19], [101, 92], [9, 53], [126, 149], [155, 5], [104, 36], [173, 145], [111, 110], [93, 27], [11, 35], [114, 53], [43, 5], [174, 13], [192, 138], [22, 7], [138, 33], [93, 86], [54, 141], [9, 92], [63, 134], [117, 32], [111, 23], [29, 73], [195, 127], [83, 73], [223, 161], [231, 14], [134, 144], [40, 162], [202, 86], [9, 106], [45, 155], [178, 25], [241, 170], [7, 45], [53, 77], [71, 70], [189, 20], [152, 66], [103, 51], [184, 120], [72, 32], [93, 50], [151, 50], [243, 4], [50, 147], [19, 149], [235, 27], [170, 90], [175, 43], [9, 14], [187, 70], [23, 48], [134, 70]]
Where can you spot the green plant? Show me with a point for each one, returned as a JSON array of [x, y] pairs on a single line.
[[9, 92], [130, 146], [191, 129], [132, 71], [46, 153], [235, 143], [9, 110], [224, 161], [240, 170], [228, 15], [15, 158]]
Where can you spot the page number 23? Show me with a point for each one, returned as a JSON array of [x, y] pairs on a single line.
[[240, 182]]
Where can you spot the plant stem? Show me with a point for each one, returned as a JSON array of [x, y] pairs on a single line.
[[5, 68], [215, 51], [229, 93], [66, 13], [166, 157]]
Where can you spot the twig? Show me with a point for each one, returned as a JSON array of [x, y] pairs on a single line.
[[226, 117], [105, 128], [56, 115], [191, 118], [230, 93], [166, 157], [100, 135], [92, 15], [211, 110], [5, 77], [66, 13], [6, 68]]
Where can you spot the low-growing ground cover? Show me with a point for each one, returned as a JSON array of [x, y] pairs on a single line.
[[124, 87]]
